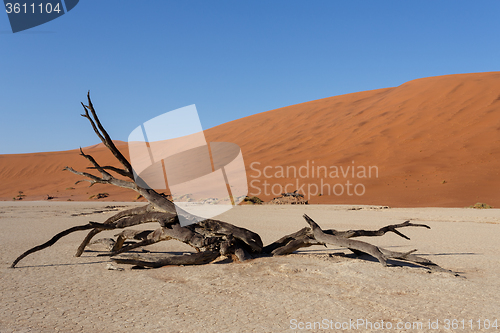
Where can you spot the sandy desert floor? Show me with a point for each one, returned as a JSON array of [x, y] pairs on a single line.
[[53, 291]]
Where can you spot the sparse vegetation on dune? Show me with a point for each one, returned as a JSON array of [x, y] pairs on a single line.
[[480, 205], [252, 201], [99, 196], [20, 196]]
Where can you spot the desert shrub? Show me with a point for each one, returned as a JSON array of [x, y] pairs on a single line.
[[253, 200], [20, 196], [480, 205]]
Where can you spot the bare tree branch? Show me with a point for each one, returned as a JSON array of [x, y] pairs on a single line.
[[104, 173], [112, 168], [111, 181], [149, 260], [52, 241], [112, 219], [320, 236], [379, 232], [104, 136]]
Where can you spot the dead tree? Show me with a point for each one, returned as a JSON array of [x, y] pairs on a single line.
[[210, 238]]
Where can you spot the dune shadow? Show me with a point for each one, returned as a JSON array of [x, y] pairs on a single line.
[[390, 262], [56, 265], [450, 254]]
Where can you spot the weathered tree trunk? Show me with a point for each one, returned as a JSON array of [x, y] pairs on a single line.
[[155, 261], [210, 238]]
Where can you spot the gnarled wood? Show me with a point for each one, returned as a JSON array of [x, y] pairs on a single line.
[[210, 238], [379, 232], [129, 234], [155, 261], [51, 242], [114, 218], [321, 237]]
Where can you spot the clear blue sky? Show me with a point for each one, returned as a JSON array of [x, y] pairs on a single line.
[[230, 58]]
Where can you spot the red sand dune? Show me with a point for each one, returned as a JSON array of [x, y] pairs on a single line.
[[40, 174], [430, 142]]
